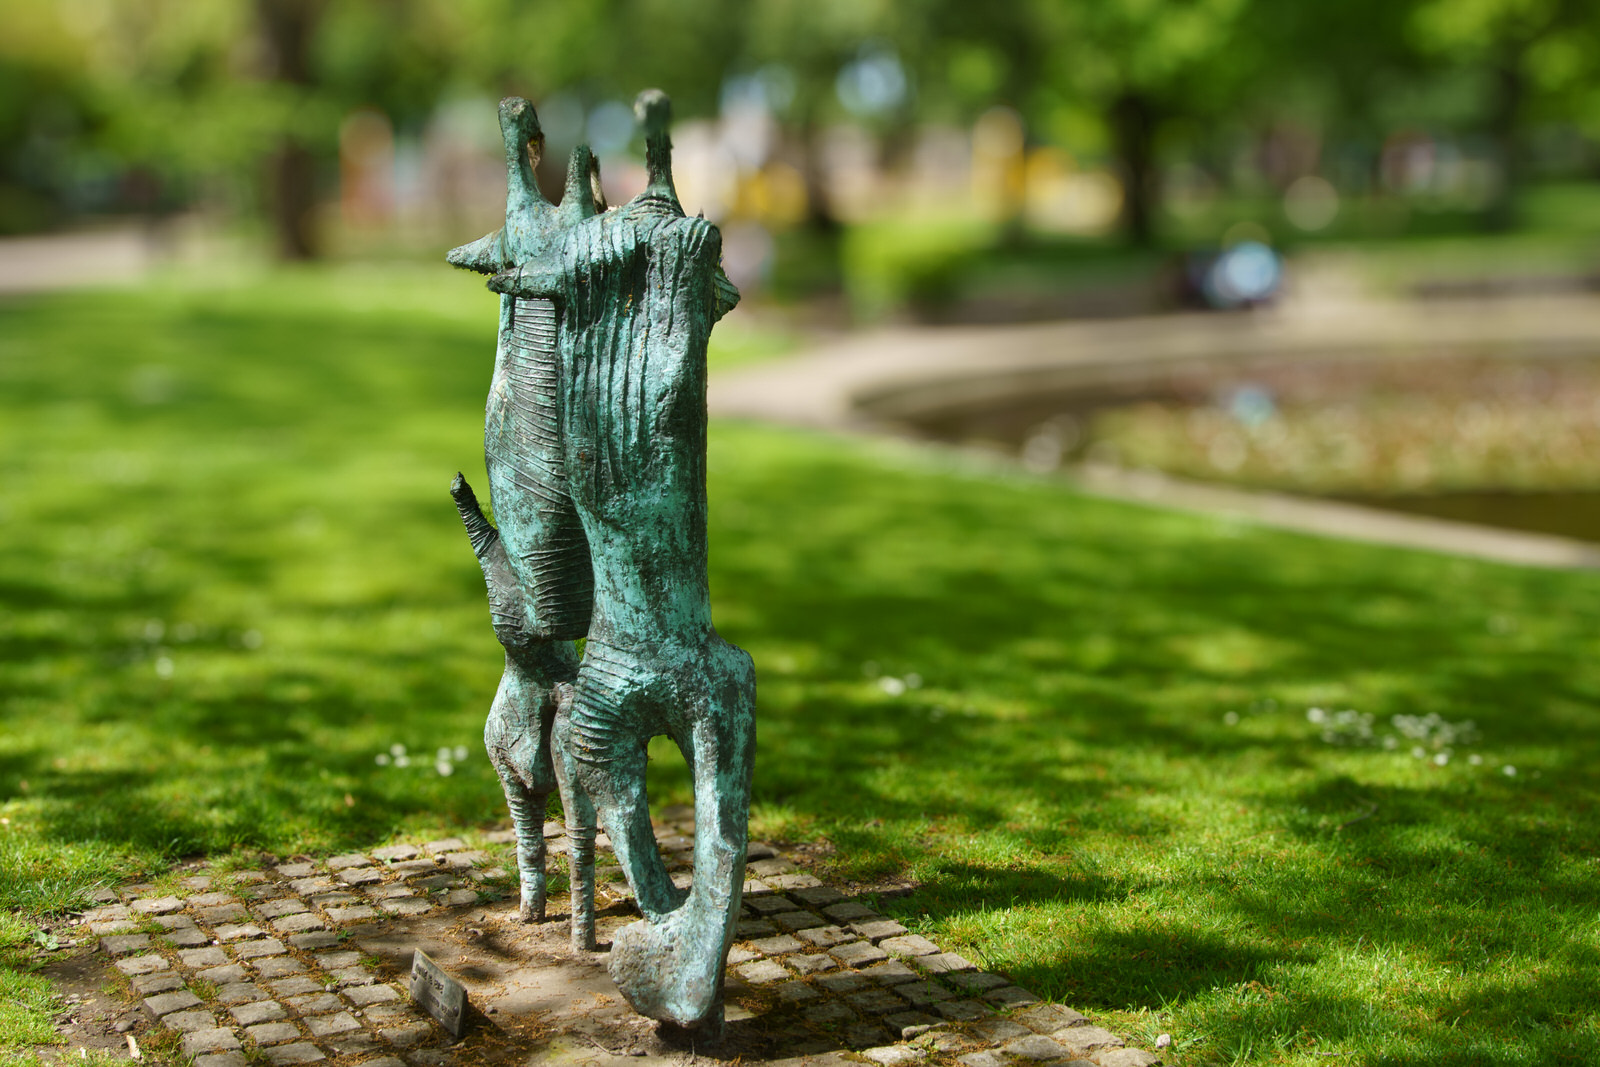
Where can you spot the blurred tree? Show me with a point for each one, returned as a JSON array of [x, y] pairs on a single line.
[[1536, 59]]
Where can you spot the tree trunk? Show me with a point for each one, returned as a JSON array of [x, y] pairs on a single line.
[[1505, 129], [1133, 130], [820, 218], [287, 27]]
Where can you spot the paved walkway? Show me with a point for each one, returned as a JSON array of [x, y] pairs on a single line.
[[872, 382], [305, 962]]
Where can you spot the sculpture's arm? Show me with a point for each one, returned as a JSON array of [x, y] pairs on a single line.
[[506, 602]]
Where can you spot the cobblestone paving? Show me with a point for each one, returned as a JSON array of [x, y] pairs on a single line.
[[306, 962]]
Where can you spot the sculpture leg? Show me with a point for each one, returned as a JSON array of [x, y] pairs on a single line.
[[673, 968], [517, 736], [581, 822]]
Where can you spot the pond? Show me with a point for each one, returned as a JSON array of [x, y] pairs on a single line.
[[1499, 441]]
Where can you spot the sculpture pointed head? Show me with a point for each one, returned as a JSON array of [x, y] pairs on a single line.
[[583, 196], [652, 109]]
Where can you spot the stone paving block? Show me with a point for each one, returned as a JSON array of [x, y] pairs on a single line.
[[447, 844], [762, 972], [981, 1059], [387, 892], [850, 912], [738, 954], [875, 1002], [328, 1025], [830, 1012], [776, 946], [773, 865], [267, 946], [404, 852], [457, 897], [858, 953], [390, 1014], [314, 940], [273, 1033], [1035, 1047], [797, 920], [361, 876], [202, 957], [366, 996], [143, 965], [819, 896], [349, 859], [462, 860], [753, 886], [754, 929], [1126, 1057], [131, 892], [261, 1011], [105, 913], [999, 1031], [878, 929], [277, 909], [209, 1041], [175, 921], [342, 916], [405, 905], [222, 1059], [113, 926], [795, 992], [295, 986], [843, 982], [296, 870], [248, 877], [894, 1055], [814, 963], [405, 1036], [770, 905], [299, 1052], [240, 993], [223, 913], [149, 984], [122, 944], [412, 868], [306, 886], [944, 963], [759, 850], [922, 994], [825, 936], [190, 1021], [1010, 996], [1048, 1018], [963, 1011], [910, 1023], [196, 882], [186, 937], [348, 976], [352, 1043], [909, 945], [866, 1035], [167, 1003], [441, 881], [976, 981], [298, 924], [314, 1003], [793, 881], [211, 900], [332, 961], [224, 975], [890, 972], [1082, 1040], [278, 966], [238, 931], [156, 905], [334, 898]]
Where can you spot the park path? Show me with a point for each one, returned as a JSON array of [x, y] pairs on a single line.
[[306, 961], [866, 382]]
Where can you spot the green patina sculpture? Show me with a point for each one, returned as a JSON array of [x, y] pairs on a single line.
[[595, 442]]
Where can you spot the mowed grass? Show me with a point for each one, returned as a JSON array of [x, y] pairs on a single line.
[[231, 576]]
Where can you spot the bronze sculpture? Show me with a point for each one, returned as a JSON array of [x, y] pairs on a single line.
[[595, 442]]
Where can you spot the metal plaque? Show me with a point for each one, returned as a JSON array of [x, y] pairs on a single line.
[[441, 996]]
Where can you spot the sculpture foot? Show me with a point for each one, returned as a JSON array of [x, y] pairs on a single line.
[[673, 970]]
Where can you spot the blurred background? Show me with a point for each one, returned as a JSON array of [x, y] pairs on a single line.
[[912, 162]]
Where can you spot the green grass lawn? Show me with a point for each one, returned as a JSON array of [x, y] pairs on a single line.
[[231, 576]]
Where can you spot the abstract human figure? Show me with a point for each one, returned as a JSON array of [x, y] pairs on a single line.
[[536, 564], [636, 292]]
